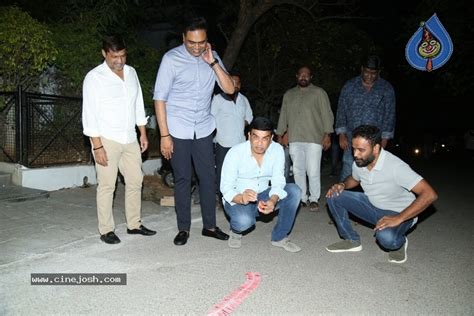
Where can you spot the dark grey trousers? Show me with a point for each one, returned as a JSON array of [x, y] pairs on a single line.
[[220, 155], [199, 152]]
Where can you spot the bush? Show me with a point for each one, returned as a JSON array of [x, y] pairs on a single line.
[[26, 49]]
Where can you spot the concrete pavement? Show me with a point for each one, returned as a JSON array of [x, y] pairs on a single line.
[[59, 235]]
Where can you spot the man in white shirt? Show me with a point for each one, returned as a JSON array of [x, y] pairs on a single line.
[[232, 113], [112, 108]]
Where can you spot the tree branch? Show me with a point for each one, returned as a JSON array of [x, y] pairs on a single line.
[[219, 26], [347, 17]]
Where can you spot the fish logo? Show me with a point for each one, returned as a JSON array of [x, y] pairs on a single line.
[[430, 47]]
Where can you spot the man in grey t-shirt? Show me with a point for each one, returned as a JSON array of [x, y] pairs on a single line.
[[388, 201]]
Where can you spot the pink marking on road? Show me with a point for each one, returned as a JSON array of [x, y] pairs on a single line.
[[229, 303]]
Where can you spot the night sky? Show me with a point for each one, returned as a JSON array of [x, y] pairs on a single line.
[[424, 102]]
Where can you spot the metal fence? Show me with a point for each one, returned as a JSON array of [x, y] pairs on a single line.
[[7, 127], [40, 130]]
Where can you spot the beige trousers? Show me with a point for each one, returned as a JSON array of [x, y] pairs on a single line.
[[126, 158]]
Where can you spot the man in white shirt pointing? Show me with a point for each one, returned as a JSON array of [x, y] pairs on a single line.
[[232, 113], [112, 107]]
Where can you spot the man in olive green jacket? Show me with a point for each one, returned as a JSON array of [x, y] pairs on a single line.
[[307, 117]]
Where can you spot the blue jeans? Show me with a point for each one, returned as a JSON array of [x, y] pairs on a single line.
[[243, 217], [347, 160], [358, 204]]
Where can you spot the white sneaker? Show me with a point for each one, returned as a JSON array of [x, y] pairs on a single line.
[[286, 244], [235, 240], [345, 246], [400, 255]]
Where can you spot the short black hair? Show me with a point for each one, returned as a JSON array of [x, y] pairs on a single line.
[[195, 23], [234, 72], [305, 66], [368, 132], [372, 62], [261, 123], [113, 43]]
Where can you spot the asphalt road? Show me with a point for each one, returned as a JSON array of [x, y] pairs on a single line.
[[59, 235]]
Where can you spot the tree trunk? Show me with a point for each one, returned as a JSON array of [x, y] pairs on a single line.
[[248, 15]]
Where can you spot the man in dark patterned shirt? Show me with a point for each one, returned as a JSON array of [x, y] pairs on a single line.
[[365, 99]]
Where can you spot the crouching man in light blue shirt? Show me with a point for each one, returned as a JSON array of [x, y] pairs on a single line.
[[253, 182]]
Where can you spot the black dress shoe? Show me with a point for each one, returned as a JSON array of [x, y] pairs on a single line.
[[181, 238], [216, 233], [142, 230], [110, 238]]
